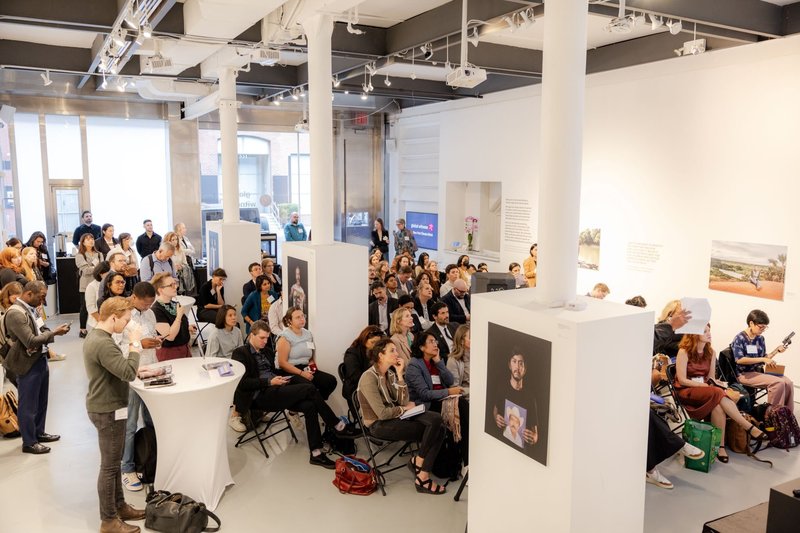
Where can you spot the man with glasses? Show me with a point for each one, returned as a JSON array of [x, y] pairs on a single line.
[[158, 261], [752, 360], [458, 302]]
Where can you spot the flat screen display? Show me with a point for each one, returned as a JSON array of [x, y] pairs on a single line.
[[425, 227]]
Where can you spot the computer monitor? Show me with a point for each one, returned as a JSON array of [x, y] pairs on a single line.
[[491, 282]]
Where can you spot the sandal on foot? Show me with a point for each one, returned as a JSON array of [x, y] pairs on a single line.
[[761, 438], [426, 487], [415, 470], [722, 458]]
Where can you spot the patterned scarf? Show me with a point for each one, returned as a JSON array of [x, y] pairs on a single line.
[[451, 417]]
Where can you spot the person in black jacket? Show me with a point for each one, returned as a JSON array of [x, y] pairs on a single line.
[[356, 361], [148, 242], [379, 238], [255, 270], [442, 328], [380, 311], [262, 389], [454, 300], [211, 296], [665, 340]]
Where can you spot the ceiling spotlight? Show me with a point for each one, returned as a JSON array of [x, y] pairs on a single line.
[[294, 95], [354, 31], [113, 68], [474, 38], [363, 96], [674, 27], [638, 20], [346, 91], [512, 24], [655, 22], [121, 84], [365, 87], [527, 17], [413, 75], [147, 30], [46, 78], [371, 88], [302, 93], [118, 37], [131, 19], [336, 81], [427, 51], [276, 102], [105, 83], [387, 81], [371, 68]]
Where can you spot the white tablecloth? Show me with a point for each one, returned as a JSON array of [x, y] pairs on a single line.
[[191, 419]]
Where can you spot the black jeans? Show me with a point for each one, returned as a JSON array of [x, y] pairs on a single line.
[[111, 437], [83, 315], [324, 382], [425, 428], [34, 389], [302, 397], [662, 443]]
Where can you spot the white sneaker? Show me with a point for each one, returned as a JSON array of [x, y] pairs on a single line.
[[656, 478], [692, 452], [295, 420], [131, 481], [235, 423]]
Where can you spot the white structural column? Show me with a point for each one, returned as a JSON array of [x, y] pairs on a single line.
[[319, 29], [230, 153], [563, 87]]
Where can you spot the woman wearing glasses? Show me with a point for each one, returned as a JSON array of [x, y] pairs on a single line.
[[171, 322]]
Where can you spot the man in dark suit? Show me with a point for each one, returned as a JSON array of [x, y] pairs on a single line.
[[28, 338], [442, 328], [380, 311], [458, 303]]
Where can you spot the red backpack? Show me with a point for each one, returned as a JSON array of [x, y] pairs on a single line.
[[781, 427]]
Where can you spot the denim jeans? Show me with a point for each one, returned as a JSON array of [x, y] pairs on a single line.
[[135, 404], [111, 437], [33, 390]]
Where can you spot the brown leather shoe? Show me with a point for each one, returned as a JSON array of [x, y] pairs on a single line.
[[126, 512], [115, 525]]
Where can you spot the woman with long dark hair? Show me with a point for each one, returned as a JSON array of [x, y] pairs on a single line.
[[85, 260], [106, 241], [379, 238]]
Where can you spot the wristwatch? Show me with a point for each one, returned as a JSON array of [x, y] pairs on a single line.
[[136, 345]]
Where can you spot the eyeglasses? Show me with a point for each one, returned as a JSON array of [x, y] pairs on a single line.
[[174, 285], [431, 340], [762, 327]]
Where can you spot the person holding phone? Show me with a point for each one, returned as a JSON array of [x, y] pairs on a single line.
[[296, 354], [171, 321], [383, 397]]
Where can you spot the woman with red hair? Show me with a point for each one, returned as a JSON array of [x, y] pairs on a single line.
[[11, 266]]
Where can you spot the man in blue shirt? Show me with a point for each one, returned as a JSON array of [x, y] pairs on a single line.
[[159, 261], [294, 230], [750, 352]]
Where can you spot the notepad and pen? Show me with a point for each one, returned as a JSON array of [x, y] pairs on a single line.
[[414, 411]]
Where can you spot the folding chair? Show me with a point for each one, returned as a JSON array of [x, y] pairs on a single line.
[[261, 434], [726, 368], [350, 409], [199, 340], [675, 399], [370, 441]]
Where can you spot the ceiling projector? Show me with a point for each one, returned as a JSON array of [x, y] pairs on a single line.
[[467, 77]]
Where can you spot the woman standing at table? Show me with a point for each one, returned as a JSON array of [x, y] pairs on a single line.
[[109, 374], [296, 354], [171, 322]]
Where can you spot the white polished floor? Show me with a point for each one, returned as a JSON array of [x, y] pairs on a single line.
[[57, 492]]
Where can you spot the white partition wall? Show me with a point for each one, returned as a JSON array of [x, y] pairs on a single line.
[[233, 246], [594, 478], [333, 278]]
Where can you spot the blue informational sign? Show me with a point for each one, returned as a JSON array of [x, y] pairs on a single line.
[[425, 227]]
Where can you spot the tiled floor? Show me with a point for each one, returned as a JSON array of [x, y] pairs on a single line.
[[56, 492]]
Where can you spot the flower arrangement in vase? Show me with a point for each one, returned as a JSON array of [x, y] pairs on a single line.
[[470, 227]]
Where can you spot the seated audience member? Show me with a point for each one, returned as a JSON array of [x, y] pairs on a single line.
[[275, 316], [519, 278], [400, 330], [374, 259], [407, 302], [471, 269], [430, 383], [458, 302], [258, 303], [92, 292], [158, 261], [458, 361], [443, 329], [383, 396], [483, 267], [420, 279], [391, 285], [268, 268], [255, 271], [529, 265], [225, 336], [662, 444], [262, 389], [13, 242], [113, 284], [703, 395], [423, 304], [463, 265], [383, 269], [171, 321], [599, 291], [372, 275], [401, 261], [422, 263], [356, 360], [405, 285], [636, 301], [452, 273], [665, 340], [435, 277], [296, 354], [211, 296], [750, 351], [381, 309]]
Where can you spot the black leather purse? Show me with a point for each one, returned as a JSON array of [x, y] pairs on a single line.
[[177, 513]]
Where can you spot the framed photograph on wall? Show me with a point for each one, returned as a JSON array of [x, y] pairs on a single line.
[[297, 275], [747, 268]]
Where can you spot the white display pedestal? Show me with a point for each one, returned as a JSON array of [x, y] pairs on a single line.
[[233, 246], [336, 294], [597, 430]]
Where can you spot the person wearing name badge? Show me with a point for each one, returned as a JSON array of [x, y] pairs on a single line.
[[109, 373], [384, 398], [379, 238], [404, 240], [294, 229], [753, 362], [296, 349], [257, 304]]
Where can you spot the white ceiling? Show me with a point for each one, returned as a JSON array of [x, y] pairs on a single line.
[[386, 13], [44, 35]]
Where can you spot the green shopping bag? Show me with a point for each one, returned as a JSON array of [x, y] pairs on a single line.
[[706, 437]]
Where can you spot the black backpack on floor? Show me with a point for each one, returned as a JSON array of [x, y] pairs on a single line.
[[145, 452]]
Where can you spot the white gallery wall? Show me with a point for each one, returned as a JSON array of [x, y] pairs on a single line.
[[676, 154]]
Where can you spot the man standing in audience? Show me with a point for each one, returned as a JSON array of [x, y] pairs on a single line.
[[405, 285], [294, 229], [443, 329], [404, 240], [159, 261], [149, 241], [27, 358], [453, 273], [380, 310], [458, 302], [86, 227], [255, 270]]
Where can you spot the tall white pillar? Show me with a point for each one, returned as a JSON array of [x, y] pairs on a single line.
[[230, 153], [563, 84], [319, 29]]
